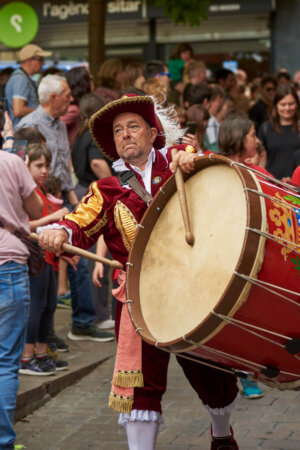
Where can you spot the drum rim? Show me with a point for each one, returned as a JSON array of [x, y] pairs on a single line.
[[236, 285]]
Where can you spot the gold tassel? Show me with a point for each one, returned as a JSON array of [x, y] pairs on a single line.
[[120, 404], [128, 379]]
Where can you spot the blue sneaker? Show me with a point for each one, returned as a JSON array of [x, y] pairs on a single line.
[[64, 301], [250, 389]]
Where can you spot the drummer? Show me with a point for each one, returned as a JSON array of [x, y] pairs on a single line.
[[136, 135]]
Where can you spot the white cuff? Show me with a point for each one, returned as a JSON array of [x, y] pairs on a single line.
[[56, 226]]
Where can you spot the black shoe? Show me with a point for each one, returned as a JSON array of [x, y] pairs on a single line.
[[57, 344], [90, 333], [61, 364], [38, 366]]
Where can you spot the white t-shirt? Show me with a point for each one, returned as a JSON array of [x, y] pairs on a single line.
[[16, 184]]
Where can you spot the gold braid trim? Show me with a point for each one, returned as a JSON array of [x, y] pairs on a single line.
[[120, 403], [126, 223], [86, 213], [128, 378], [98, 225]]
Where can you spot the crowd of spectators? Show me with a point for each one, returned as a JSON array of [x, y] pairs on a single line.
[[54, 115]]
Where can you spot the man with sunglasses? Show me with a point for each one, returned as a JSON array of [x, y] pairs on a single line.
[[157, 69], [21, 91], [261, 110]]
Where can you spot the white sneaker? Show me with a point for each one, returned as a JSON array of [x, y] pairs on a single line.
[[108, 324]]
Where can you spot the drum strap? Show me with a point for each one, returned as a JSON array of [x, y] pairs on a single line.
[[129, 177]]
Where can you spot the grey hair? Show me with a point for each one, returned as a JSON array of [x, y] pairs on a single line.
[[51, 84]]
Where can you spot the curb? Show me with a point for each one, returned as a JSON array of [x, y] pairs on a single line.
[[34, 392]]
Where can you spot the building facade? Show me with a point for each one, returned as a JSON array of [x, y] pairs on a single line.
[[251, 33]]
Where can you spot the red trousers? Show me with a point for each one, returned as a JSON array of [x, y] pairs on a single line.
[[215, 388]]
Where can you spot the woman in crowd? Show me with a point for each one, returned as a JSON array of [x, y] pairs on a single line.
[[81, 83], [89, 164], [111, 79], [237, 141], [280, 135], [158, 90], [182, 54], [199, 115], [134, 75]]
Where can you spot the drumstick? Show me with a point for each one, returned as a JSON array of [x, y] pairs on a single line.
[[68, 248], [189, 237]]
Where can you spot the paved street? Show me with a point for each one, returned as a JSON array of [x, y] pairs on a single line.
[[78, 418]]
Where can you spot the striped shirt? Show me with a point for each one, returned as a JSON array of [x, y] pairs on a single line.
[[55, 133]]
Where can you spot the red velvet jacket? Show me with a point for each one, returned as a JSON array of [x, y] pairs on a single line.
[[114, 211]]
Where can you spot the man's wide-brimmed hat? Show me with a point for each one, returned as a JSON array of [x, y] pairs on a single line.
[[101, 123]]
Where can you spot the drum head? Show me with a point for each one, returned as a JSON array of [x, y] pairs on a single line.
[[179, 285]]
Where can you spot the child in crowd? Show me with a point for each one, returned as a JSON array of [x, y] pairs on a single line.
[[54, 194], [35, 359]]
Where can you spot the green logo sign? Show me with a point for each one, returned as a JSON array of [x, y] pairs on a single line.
[[18, 24]]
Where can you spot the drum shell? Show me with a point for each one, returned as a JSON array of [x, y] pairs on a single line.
[[241, 301]]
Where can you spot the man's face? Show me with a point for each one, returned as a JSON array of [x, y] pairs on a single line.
[[164, 79], [268, 91], [61, 102], [230, 82], [216, 105], [133, 138], [36, 64]]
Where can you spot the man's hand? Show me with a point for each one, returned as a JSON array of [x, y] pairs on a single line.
[[52, 240], [72, 260], [7, 131], [185, 160], [98, 273]]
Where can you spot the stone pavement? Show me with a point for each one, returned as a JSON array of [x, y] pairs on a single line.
[[77, 418], [83, 357]]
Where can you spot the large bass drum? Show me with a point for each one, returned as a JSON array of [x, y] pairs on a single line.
[[233, 297]]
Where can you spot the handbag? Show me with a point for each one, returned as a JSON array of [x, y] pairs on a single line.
[[36, 259]]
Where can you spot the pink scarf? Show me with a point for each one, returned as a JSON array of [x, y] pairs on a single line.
[[128, 365]]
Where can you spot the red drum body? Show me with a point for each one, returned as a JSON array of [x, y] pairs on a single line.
[[233, 297]]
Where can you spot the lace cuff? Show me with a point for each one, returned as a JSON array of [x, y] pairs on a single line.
[[141, 416]]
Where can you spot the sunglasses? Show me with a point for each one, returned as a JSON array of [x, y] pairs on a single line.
[[167, 74], [270, 89], [38, 58]]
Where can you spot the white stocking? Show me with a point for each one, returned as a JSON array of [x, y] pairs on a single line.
[[141, 435], [220, 424]]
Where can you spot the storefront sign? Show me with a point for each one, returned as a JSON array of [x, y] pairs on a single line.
[[64, 11], [77, 11]]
